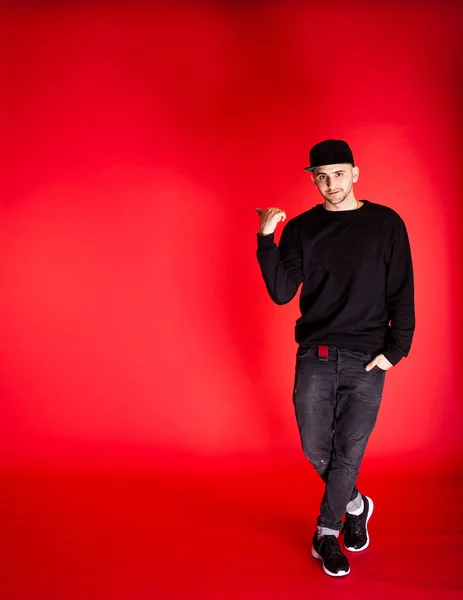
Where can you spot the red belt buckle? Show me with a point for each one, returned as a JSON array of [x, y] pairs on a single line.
[[323, 352]]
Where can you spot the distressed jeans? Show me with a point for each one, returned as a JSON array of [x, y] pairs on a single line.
[[336, 404]]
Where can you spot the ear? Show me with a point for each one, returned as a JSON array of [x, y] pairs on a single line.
[[355, 174]]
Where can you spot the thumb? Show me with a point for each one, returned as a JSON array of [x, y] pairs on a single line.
[[372, 364], [259, 210]]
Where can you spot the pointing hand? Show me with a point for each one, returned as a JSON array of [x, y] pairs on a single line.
[[269, 219]]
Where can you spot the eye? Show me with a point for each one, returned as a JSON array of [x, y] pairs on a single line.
[[340, 174]]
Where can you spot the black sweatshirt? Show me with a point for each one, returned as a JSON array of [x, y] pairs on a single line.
[[356, 271]]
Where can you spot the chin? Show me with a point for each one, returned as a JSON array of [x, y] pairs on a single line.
[[332, 201]]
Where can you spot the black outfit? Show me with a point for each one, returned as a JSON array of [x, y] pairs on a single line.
[[357, 298], [356, 273]]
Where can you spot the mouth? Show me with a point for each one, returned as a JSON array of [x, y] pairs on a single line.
[[333, 193]]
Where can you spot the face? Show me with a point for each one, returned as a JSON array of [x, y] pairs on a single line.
[[334, 182]]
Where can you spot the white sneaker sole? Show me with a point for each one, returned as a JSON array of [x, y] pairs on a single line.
[[370, 510], [338, 574]]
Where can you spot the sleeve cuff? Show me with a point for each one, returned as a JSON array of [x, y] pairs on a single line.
[[265, 241], [393, 356]]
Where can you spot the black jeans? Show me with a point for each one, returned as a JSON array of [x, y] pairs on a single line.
[[336, 404]]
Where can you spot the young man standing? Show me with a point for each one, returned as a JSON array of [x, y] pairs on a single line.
[[357, 321]]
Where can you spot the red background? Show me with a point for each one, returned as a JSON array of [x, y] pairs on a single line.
[[136, 329]]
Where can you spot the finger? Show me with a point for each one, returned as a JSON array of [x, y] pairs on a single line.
[[371, 365], [375, 362], [259, 210]]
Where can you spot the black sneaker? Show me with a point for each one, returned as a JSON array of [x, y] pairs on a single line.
[[355, 530], [327, 550]]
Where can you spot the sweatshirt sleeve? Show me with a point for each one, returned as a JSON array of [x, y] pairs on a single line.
[[281, 265], [400, 296]]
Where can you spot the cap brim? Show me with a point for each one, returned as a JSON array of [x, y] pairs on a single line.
[[313, 168]]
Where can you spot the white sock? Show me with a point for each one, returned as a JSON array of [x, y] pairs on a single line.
[[355, 506], [326, 531]]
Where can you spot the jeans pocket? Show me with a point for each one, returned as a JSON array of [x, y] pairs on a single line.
[[303, 351]]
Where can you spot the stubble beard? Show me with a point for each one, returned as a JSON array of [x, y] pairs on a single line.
[[335, 200]]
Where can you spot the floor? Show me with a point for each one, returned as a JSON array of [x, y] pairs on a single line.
[[102, 535]]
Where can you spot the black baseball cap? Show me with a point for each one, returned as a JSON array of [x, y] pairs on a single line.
[[330, 152]]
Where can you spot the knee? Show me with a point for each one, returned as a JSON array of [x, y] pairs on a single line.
[[319, 461]]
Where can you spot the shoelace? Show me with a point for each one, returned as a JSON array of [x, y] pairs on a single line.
[[353, 525], [330, 545]]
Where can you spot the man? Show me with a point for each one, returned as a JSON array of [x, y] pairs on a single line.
[[357, 321]]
